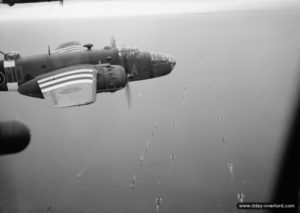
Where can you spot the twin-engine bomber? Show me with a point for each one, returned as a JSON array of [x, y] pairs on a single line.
[[13, 2], [73, 74]]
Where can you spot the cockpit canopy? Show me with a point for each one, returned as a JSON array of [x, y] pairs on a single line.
[[68, 44], [129, 51], [132, 51]]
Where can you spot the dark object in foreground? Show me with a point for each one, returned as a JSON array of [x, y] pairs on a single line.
[[287, 186], [14, 137]]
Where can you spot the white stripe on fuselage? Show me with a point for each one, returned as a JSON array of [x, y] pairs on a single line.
[[8, 64], [12, 86], [67, 84], [63, 74]]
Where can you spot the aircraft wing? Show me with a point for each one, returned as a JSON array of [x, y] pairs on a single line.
[[70, 86]]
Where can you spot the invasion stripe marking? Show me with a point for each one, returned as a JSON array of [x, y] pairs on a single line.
[[66, 78], [53, 77], [7, 64], [70, 74], [61, 82], [67, 84], [12, 86]]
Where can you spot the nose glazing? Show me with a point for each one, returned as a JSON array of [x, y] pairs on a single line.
[[172, 62], [162, 64]]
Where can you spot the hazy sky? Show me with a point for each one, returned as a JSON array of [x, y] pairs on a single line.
[[230, 96], [96, 9]]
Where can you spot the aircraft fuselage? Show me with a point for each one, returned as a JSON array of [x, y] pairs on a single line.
[[138, 64]]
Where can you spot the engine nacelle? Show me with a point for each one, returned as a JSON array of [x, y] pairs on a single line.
[[110, 78]]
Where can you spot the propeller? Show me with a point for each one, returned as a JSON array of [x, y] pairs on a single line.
[[49, 52], [113, 42], [127, 89], [128, 93]]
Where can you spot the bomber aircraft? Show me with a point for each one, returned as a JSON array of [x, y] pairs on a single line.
[[12, 2], [73, 74]]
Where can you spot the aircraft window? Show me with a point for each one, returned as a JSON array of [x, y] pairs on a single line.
[[131, 52]]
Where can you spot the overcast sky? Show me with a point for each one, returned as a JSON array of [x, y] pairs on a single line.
[[94, 9]]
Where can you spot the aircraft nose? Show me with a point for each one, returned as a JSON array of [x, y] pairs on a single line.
[[162, 64], [172, 63]]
